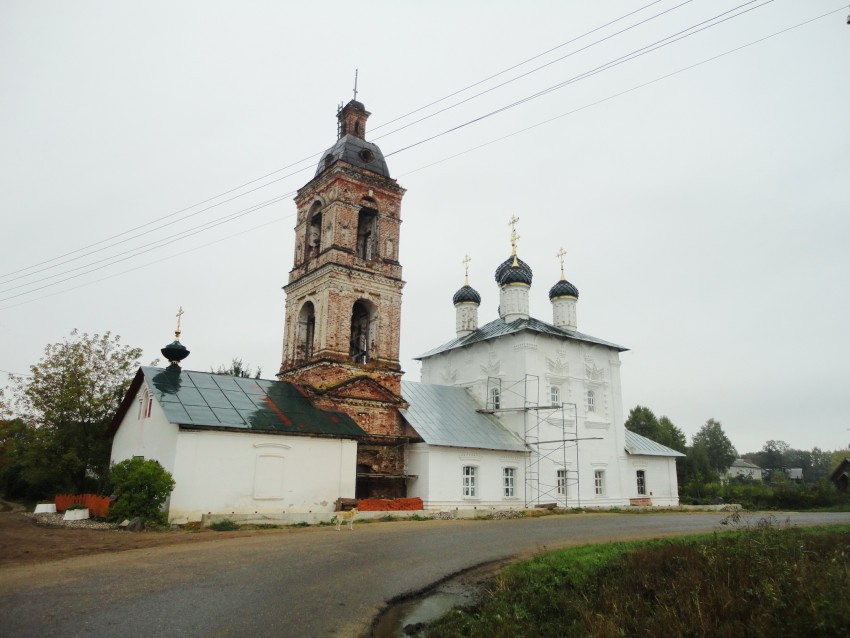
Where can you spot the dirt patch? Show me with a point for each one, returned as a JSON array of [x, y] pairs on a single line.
[[22, 541]]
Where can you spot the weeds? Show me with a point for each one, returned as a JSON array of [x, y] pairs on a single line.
[[764, 580], [224, 525]]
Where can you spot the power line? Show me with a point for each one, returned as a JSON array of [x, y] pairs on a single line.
[[313, 157], [207, 225]]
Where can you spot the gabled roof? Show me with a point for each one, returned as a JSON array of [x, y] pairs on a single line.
[[499, 327], [638, 445], [744, 464], [448, 416], [203, 399]]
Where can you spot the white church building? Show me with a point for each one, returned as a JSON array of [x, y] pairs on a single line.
[[516, 413]]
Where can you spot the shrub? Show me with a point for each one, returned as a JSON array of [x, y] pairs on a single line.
[[224, 525], [141, 487]]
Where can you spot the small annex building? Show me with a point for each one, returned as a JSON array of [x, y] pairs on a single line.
[[236, 445], [741, 468]]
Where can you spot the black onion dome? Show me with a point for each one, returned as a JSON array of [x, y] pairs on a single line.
[[175, 352], [467, 294], [507, 273], [563, 289]]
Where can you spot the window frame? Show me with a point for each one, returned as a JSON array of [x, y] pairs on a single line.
[[495, 399], [509, 474], [555, 395], [640, 475], [469, 482], [561, 481], [590, 401], [599, 482]]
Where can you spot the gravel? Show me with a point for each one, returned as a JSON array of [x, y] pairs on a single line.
[[56, 520]]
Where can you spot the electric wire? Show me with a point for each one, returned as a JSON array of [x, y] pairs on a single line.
[[230, 217], [312, 157]]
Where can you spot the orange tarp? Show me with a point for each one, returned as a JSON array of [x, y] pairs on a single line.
[[389, 505], [98, 505]]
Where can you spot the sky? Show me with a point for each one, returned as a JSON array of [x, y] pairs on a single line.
[[691, 157]]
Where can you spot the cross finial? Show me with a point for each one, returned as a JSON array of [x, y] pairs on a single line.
[[355, 83], [514, 237], [179, 316], [560, 255], [466, 261]]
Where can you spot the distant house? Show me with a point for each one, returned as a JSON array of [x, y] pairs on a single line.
[[794, 473], [840, 477], [744, 469]]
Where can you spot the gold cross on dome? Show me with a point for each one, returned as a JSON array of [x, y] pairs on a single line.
[[179, 316], [514, 237], [466, 261], [560, 255]]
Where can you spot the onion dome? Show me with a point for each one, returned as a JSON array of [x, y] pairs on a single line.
[[563, 289], [467, 294], [509, 273], [175, 351]]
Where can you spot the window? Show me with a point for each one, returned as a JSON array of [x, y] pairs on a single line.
[[562, 482], [314, 232], [599, 482], [362, 341], [641, 482], [555, 395], [470, 473], [590, 400], [509, 480], [306, 331], [367, 231], [495, 398], [145, 405]]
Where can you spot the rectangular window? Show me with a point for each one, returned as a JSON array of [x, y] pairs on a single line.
[[641, 482], [599, 482], [591, 401], [509, 480], [469, 481], [562, 482], [555, 395]]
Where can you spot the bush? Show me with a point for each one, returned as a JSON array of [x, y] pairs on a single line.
[[141, 487], [224, 525]]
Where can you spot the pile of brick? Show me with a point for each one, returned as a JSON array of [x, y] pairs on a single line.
[[389, 505]]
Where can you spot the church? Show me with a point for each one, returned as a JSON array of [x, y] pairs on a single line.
[[516, 413]]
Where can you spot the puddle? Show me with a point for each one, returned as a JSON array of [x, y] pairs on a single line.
[[463, 589]]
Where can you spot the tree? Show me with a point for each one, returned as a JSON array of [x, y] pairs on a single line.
[[671, 436], [643, 421], [68, 401], [238, 369], [773, 454], [717, 446], [141, 487]]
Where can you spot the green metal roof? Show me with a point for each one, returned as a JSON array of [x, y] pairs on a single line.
[[217, 400]]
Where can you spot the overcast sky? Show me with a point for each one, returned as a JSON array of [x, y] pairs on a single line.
[[705, 214]]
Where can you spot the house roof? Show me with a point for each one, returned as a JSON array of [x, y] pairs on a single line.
[[203, 399], [744, 464], [641, 446], [499, 327], [448, 416]]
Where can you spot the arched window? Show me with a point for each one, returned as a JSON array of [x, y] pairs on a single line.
[[362, 343], [314, 232], [495, 399], [367, 233], [555, 395], [306, 331]]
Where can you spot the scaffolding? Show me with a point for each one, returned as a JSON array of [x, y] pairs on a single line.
[[551, 436]]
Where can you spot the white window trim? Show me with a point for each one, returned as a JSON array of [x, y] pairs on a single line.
[[473, 484], [599, 483], [513, 477], [561, 481], [638, 481]]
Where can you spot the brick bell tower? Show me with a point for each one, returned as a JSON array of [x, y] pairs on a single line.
[[343, 300]]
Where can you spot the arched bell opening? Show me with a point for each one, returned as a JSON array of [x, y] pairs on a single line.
[[362, 344], [306, 331]]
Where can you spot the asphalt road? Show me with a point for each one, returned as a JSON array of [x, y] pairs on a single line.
[[304, 582]]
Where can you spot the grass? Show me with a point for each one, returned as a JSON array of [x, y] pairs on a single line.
[[766, 581], [224, 525]]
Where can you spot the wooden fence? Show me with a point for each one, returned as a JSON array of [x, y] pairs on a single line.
[[98, 505]]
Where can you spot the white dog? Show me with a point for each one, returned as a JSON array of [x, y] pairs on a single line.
[[346, 516]]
